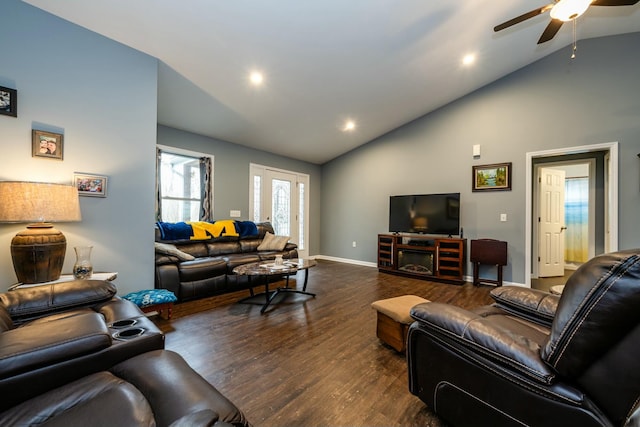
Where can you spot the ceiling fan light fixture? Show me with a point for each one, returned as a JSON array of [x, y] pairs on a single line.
[[568, 10]]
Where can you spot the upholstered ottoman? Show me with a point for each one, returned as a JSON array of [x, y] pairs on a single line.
[[153, 300], [394, 319]]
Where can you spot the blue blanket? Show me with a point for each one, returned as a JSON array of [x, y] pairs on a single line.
[[200, 230]]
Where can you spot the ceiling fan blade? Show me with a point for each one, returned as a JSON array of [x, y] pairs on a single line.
[[551, 30], [614, 2], [526, 16]]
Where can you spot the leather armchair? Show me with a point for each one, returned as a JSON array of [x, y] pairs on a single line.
[[52, 334], [533, 358], [157, 388], [64, 361]]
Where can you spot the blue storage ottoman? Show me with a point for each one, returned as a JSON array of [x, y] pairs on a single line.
[[153, 300]]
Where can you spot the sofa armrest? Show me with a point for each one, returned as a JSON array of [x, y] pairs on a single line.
[[26, 304], [480, 335], [204, 418], [174, 390], [31, 347], [531, 304]]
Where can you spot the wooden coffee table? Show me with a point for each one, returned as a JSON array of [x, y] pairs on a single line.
[[267, 270]]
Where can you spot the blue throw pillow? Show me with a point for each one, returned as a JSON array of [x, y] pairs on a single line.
[[151, 297]]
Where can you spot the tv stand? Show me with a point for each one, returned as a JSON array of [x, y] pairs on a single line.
[[425, 257]]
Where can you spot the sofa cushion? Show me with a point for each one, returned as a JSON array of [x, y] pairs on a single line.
[[273, 243], [167, 249], [34, 346], [29, 303], [202, 268], [94, 399]]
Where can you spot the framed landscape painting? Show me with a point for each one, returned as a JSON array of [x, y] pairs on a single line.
[[496, 177]]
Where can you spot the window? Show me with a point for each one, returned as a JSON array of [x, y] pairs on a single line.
[[183, 186]]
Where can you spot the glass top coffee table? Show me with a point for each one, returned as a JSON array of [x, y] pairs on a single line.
[[267, 270]]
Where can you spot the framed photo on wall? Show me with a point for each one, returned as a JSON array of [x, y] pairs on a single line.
[[90, 185], [496, 177], [8, 101], [46, 144]]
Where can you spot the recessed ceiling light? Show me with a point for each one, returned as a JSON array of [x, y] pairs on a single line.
[[468, 59], [256, 78], [349, 125]]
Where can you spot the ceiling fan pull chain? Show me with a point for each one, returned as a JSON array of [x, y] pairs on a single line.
[[575, 47]]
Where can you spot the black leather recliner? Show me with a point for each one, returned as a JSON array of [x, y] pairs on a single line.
[[533, 358]]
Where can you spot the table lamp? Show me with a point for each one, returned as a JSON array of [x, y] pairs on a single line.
[[38, 252]]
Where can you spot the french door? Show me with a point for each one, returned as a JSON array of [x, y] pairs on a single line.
[[281, 197]]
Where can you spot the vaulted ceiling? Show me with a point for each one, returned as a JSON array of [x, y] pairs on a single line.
[[379, 63]]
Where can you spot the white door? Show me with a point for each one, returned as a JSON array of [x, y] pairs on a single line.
[[281, 197], [551, 223]]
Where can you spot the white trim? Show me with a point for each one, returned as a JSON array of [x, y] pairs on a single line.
[[347, 261], [612, 148]]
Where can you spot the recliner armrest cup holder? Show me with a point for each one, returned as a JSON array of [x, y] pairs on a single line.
[[126, 334], [125, 323]]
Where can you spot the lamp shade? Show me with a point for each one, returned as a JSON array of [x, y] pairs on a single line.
[[38, 252], [567, 10], [38, 202]]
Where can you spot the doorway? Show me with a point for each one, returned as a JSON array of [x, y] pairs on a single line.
[[565, 203], [282, 198], [602, 220]]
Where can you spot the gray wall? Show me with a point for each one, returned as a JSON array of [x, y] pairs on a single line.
[[553, 103], [231, 175], [102, 96]]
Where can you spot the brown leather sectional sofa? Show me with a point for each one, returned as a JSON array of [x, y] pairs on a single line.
[[211, 272], [76, 354]]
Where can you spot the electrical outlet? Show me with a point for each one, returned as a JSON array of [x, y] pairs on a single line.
[[503, 217], [235, 214], [354, 244]]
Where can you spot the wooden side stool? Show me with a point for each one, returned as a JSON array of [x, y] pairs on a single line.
[[150, 300], [394, 319]]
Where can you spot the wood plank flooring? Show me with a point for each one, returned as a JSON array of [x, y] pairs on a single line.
[[310, 361]]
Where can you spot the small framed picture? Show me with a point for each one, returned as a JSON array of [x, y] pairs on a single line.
[[46, 144], [494, 177], [8, 101], [90, 185]]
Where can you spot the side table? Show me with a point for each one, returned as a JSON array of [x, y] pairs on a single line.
[[108, 276]]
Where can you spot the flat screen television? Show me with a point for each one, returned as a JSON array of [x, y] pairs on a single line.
[[425, 214]]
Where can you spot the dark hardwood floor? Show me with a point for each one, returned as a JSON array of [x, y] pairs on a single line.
[[310, 361]]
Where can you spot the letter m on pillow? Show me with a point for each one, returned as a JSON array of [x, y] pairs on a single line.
[[203, 230]]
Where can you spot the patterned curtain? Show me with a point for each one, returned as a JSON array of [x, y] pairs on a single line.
[[205, 188], [158, 185], [576, 242]]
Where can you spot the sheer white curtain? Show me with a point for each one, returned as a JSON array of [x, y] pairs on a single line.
[[576, 248]]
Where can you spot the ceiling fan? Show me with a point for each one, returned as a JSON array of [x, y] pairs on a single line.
[[561, 11]]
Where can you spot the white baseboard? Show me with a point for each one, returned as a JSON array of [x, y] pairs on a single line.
[[374, 265], [346, 260]]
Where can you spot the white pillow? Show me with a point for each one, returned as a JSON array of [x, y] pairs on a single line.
[[273, 243], [165, 248]]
